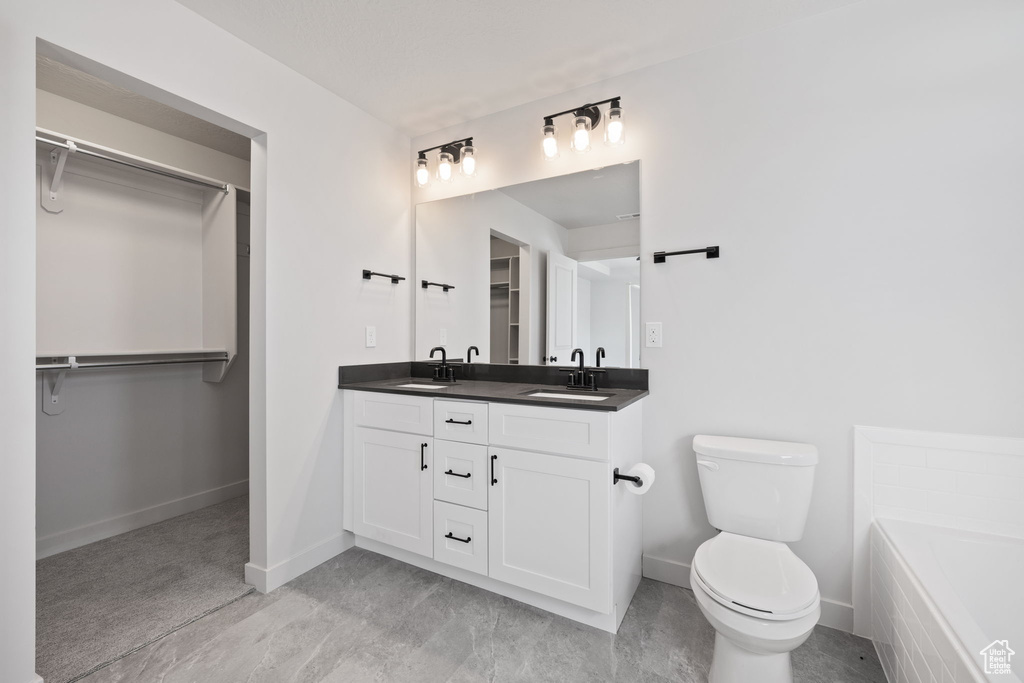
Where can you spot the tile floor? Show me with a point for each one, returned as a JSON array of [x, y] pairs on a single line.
[[365, 617]]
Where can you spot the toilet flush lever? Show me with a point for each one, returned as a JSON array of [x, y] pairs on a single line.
[[713, 466]]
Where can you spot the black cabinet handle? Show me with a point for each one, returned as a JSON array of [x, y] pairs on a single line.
[[467, 539], [464, 476], [493, 479], [458, 422], [423, 457]]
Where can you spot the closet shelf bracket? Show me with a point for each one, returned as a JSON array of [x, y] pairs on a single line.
[[58, 159], [52, 385]]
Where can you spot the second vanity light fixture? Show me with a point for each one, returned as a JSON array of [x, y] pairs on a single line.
[[585, 120], [459, 153]]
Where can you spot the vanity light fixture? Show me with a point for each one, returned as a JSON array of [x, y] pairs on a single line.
[[585, 121], [550, 143], [422, 172], [459, 153]]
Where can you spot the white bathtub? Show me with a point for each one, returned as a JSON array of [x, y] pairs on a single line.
[[940, 596]]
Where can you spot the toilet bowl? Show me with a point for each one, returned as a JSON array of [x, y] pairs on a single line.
[[760, 598], [762, 601]]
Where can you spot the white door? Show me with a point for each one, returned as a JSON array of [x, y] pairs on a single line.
[[393, 489], [548, 526], [561, 309]]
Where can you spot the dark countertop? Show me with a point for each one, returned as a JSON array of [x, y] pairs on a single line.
[[501, 392]]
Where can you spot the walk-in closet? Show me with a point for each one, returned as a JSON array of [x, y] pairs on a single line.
[[142, 302]]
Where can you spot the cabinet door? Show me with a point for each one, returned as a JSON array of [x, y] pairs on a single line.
[[549, 526], [394, 489]]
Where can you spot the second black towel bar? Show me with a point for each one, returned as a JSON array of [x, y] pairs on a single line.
[[712, 252], [444, 287], [395, 279]]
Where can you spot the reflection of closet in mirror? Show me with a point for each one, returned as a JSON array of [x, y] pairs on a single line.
[[505, 301]]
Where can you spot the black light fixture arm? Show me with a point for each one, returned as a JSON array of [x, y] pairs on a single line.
[[548, 120], [452, 147]]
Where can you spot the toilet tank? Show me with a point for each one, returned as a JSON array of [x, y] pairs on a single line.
[[754, 487]]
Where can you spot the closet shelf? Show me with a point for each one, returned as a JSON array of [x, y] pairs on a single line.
[[72, 146], [116, 360]]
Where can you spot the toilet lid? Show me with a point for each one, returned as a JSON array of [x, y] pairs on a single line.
[[764, 576]]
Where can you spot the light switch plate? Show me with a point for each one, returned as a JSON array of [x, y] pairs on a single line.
[[653, 335], [371, 336]]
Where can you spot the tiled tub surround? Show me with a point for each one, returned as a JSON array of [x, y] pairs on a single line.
[[939, 597], [938, 549]]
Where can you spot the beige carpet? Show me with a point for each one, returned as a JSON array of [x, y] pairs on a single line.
[[100, 602]]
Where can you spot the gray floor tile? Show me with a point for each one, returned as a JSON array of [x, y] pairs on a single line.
[[364, 617]]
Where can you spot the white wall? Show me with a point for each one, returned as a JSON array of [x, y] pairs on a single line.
[[611, 240], [609, 326], [861, 172], [323, 209]]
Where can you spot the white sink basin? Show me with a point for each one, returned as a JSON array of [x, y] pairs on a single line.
[[575, 397], [435, 387]]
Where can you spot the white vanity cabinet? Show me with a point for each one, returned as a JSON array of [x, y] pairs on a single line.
[[391, 453], [517, 499], [549, 526]]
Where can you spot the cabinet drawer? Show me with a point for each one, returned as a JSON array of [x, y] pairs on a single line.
[[412, 414], [460, 537], [461, 421], [583, 433], [460, 473]]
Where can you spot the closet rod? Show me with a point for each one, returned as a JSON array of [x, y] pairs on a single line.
[[71, 362], [88, 152]]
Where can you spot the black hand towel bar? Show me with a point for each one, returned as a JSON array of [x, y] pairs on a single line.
[[395, 279], [444, 287], [712, 252]]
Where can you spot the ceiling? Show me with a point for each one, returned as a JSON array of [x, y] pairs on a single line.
[[580, 200], [70, 83], [423, 65]]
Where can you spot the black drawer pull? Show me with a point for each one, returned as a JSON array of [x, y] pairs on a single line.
[[458, 422], [467, 539], [423, 459], [463, 476], [493, 478]]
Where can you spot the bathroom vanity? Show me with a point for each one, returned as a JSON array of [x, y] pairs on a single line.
[[491, 484]]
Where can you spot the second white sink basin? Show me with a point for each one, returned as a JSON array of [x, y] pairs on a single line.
[[435, 387], [576, 397]]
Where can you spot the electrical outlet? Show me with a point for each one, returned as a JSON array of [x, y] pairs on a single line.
[[443, 336], [371, 336], [653, 336]]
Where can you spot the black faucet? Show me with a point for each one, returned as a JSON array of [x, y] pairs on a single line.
[[442, 372], [469, 353], [583, 378], [598, 355]]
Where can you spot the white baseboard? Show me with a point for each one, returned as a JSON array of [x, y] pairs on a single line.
[[37, 679], [97, 531], [834, 614], [268, 579], [666, 571]]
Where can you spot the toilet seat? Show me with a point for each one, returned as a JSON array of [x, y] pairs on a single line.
[[762, 579]]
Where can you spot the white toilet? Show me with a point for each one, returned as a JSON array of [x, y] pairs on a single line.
[[761, 599]]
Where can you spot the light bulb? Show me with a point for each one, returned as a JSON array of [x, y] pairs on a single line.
[[468, 161], [550, 143], [614, 129], [422, 172], [444, 167], [581, 134]]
